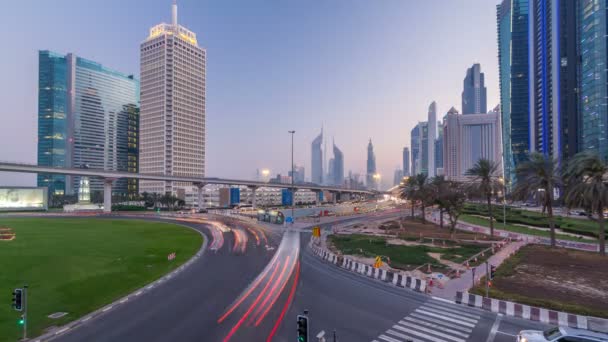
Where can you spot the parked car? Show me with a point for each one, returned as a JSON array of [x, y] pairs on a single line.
[[561, 334]]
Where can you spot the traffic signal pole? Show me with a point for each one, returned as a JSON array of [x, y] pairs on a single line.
[[488, 277], [25, 300]]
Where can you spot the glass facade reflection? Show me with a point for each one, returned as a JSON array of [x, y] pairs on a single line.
[[88, 117]]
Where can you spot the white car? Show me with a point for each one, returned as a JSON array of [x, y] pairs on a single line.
[[561, 334]]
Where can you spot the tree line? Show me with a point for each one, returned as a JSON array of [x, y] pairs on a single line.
[[582, 182]]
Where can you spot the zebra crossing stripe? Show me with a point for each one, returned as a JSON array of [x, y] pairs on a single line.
[[453, 326], [437, 307], [419, 334], [400, 335], [386, 338], [457, 316], [446, 318], [429, 331], [436, 326]]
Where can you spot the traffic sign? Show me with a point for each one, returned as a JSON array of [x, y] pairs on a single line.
[[378, 262], [289, 219]]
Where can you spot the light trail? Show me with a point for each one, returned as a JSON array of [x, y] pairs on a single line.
[[286, 306]]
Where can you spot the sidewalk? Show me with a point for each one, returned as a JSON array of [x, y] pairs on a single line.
[[465, 282]]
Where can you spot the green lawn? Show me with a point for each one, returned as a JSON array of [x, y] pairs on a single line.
[[403, 257], [77, 265], [480, 221]]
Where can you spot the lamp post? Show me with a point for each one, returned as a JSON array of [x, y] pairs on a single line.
[[504, 201], [293, 193]]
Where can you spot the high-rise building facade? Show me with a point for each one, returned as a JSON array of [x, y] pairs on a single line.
[[397, 176], [338, 179], [86, 116], [553, 78], [172, 119], [371, 166], [474, 93], [424, 148], [432, 137], [513, 61], [593, 128], [316, 163], [415, 144], [468, 138], [406, 162], [439, 151], [297, 174]]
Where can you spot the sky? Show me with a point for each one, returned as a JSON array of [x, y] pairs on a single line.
[[362, 69]]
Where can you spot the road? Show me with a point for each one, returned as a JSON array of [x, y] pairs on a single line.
[[363, 309], [242, 291]]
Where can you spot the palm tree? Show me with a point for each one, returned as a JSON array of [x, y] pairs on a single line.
[[407, 191], [452, 198], [586, 176], [438, 187], [484, 182], [539, 176], [422, 193]]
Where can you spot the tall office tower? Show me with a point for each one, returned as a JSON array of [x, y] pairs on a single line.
[[87, 115], [316, 163], [371, 166], [593, 128], [439, 151], [553, 78], [297, 174], [338, 166], [397, 176], [424, 148], [432, 136], [512, 27], [172, 106], [406, 162], [415, 144], [330, 172], [474, 93], [468, 138]]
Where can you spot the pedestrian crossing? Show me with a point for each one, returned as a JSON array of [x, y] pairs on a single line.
[[434, 321]]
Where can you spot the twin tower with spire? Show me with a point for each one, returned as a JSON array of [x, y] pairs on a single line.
[[335, 166]]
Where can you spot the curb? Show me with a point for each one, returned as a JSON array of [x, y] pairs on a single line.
[[133, 295], [396, 279], [533, 313]]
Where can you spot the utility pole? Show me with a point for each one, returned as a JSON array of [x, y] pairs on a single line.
[[293, 193], [487, 280], [25, 300]]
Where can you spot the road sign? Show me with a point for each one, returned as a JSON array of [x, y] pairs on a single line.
[[289, 219], [316, 232], [378, 262]]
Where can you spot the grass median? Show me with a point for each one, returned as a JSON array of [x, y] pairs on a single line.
[[77, 265]]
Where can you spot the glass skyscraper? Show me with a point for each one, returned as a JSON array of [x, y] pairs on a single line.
[[474, 93], [415, 143], [513, 61], [316, 163], [593, 88], [87, 117]]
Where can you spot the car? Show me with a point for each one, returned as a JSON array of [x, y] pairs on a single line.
[[561, 334]]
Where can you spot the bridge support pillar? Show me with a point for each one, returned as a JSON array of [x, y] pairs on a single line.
[[317, 197], [335, 197], [107, 195], [200, 200], [253, 194]]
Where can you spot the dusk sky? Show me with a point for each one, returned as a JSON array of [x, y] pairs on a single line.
[[361, 68]]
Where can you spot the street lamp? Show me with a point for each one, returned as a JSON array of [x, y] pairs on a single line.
[[504, 201], [265, 174], [377, 178], [293, 193]]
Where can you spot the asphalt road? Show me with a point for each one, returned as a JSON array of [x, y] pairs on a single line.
[[358, 308], [187, 307], [251, 293]]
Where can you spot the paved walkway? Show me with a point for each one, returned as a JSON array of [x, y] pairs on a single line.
[[465, 282]]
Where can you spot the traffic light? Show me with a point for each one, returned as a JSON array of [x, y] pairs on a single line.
[[21, 320], [302, 328], [492, 271], [18, 299]]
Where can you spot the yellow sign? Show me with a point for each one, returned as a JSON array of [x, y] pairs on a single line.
[[316, 232], [378, 262]]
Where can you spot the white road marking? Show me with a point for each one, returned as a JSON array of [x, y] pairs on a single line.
[[389, 339], [453, 326], [449, 314], [435, 326], [430, 331], [405, 337], [106, 309], [504, 333], [414, 332], [85, 319], [453, 320], [458, 312], [494, 329]]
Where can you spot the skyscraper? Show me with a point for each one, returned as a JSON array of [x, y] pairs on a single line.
[[512, 22], [87, 115], [371, 165], [553, 78], [172, 106], [439, 151], [338, 166], [415, 144], [593, 128], [424, 147], [316, 163], [330, 172], [397, 176], [406, 162], [474, 93], [468, 138], [432, 137]]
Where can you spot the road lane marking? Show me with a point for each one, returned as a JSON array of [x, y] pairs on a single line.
[[453, 320], [389, 339], [419, 334], [426, 330], [504, 333], [494, 329], [454, 310], [438, 321], [449, 314], [435, 326], [106, 309], [405, 337]]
